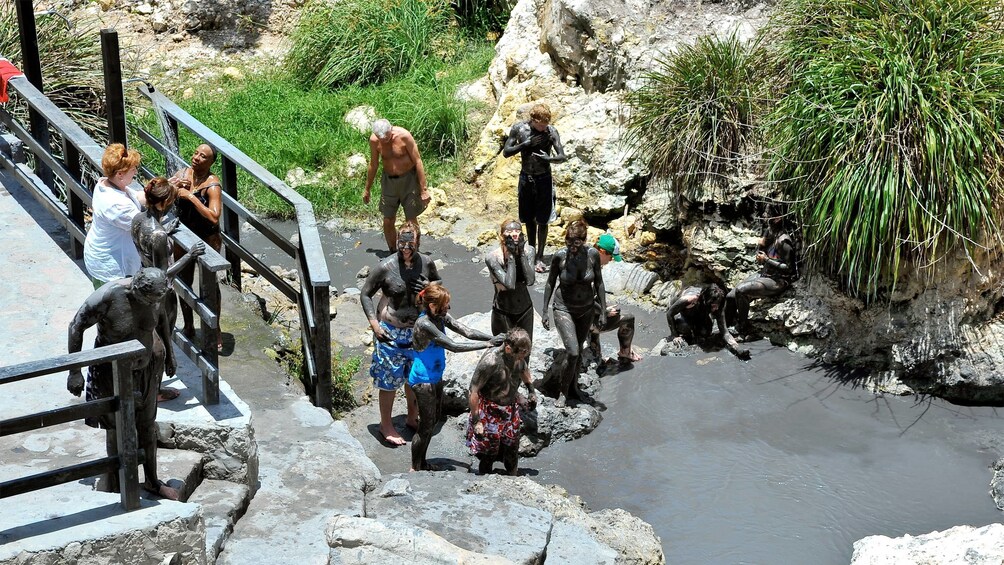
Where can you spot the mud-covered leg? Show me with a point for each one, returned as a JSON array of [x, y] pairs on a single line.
[[510, 458]]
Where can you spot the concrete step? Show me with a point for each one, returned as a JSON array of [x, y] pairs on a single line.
[[180, 469], [223, 503]]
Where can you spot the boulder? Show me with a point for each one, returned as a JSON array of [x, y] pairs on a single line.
[[962, 545]]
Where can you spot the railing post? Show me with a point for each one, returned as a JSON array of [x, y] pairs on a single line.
[[125, 433], [321, 345], [31, 64], [114, 97], [209, 292], [74, 205], [231, 221]]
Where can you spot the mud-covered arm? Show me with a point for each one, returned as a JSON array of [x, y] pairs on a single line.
[[552, 279], [196, 250], [786, 262], [503, 274], [465, 330], [89, 313], [481, 375], [559, 151], [730, 342], [528, 382], [526, 263], [678, 306], [369, 289], [439, 337], [512, 145], [598, 287]]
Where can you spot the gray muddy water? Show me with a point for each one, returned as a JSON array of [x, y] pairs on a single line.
[[768, 461]]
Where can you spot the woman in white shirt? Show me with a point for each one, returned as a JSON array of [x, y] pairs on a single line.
[[109, 251]]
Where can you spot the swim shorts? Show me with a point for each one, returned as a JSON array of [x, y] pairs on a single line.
[[401, 190], [502, 427], [392, 360]]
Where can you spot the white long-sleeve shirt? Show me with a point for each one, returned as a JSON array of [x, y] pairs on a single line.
[[109, 252]]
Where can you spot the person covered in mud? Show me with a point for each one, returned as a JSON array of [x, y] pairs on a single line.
[[576, 284], [535, 140], [623, 322], [199, 205], [152, 237], [692, 314], [493, 428], [776, 256], [426, 375], [399, 278], [510, 268], [124, 310]]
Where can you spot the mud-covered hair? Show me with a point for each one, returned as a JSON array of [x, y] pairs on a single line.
[[517, 339], [159, 190], [578, 229], [712, 294], [149, 281]]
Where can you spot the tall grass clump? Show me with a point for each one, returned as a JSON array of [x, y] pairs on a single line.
[[887, 137], [71, 64], [483, 17], [696, 114], [363, 41]]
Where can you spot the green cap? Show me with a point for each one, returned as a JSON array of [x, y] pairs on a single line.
[[609, 244]]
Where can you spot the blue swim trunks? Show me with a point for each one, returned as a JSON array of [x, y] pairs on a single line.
[[392, 360]]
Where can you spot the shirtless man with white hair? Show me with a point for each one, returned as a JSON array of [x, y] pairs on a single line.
[[403, 180]]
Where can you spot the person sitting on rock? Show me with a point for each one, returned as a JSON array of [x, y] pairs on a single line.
[[511, 270], [776, 254], [399, 278], [124, 310], [623, 322], [426, 376], [493, 429], [692, 314]]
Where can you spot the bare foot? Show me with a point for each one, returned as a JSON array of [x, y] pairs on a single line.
[[165, 394], [540, 268], [161, 489], [391, 436], [560, 401], [630, 357]]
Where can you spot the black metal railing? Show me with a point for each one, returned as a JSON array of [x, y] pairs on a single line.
[[123, 405], [73, 160], [313, 292]]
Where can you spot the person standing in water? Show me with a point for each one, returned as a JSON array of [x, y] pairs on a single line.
[[399, 278], [510, 268], [538, 145], [426, 376]]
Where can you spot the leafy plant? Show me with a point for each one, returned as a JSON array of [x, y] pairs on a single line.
[[343, 372], [71, 64], [362, 41], [696, 114], [887, 137]]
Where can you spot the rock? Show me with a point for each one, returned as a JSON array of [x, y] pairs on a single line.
[[145, 9], [451, 215], [334, 225], [627, 278], [658, 206], [962, 545], [363, 541], [233, 73], [478, 91], [364, 272], [997, 484], [355, 165], [361, 118], [298, 177], [188, 93]]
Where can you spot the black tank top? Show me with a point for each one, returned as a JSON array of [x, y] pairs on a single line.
[[190, 216]]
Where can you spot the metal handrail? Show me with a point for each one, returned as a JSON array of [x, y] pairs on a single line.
[[125, 462], [312, 295]]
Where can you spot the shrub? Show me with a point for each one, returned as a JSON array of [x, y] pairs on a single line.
[[343, 372], [362, 41], [71, 65], [695, 115], [887, 135]]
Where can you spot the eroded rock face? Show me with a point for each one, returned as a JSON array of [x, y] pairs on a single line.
[[457, 517]]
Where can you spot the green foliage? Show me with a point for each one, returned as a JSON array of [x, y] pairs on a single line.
[[314, 135], [362, 41], [696, 114], [481, 18], [887, 137], [343, 372], [71, 64]]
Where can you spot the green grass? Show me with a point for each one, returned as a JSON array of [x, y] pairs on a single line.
[[363, 41], [71, 65], [282, 126], [696, 114], [887, 137], [343, 372]]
